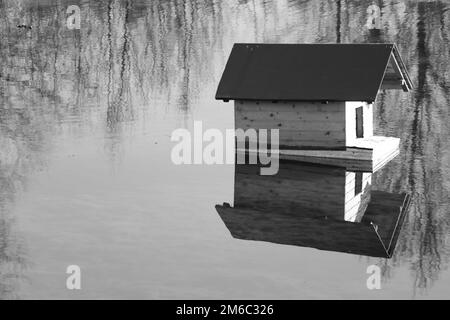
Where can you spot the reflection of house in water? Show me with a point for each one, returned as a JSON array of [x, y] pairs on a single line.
[[317, 206], [320, 98]]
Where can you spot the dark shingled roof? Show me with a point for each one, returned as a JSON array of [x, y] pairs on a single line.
[[309, 72]]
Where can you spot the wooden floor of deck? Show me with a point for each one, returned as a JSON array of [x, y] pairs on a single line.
[[367, 155]]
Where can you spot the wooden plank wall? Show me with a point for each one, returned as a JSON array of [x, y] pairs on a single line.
[[350, 120], [302, 125], [356, 203]]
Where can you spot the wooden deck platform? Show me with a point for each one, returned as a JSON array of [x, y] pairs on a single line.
[[367, 154]]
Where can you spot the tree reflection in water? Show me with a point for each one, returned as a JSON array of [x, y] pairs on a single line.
[[133, 57]]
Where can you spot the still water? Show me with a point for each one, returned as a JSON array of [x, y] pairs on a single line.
[[85, 172]]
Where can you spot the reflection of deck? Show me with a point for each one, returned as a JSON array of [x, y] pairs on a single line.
[[375, 236], [368, 154]]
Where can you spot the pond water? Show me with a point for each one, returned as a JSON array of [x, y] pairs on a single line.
[[85, 172]]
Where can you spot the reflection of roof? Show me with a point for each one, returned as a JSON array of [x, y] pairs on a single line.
[[375, 238], [307, 205], [309, 72]]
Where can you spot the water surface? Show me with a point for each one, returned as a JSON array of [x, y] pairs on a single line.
[[85, 172]]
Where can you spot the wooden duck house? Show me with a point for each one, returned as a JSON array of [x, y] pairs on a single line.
[[319, 96]]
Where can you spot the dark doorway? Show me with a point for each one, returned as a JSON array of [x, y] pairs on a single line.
[[359, 122], [358, 182]]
